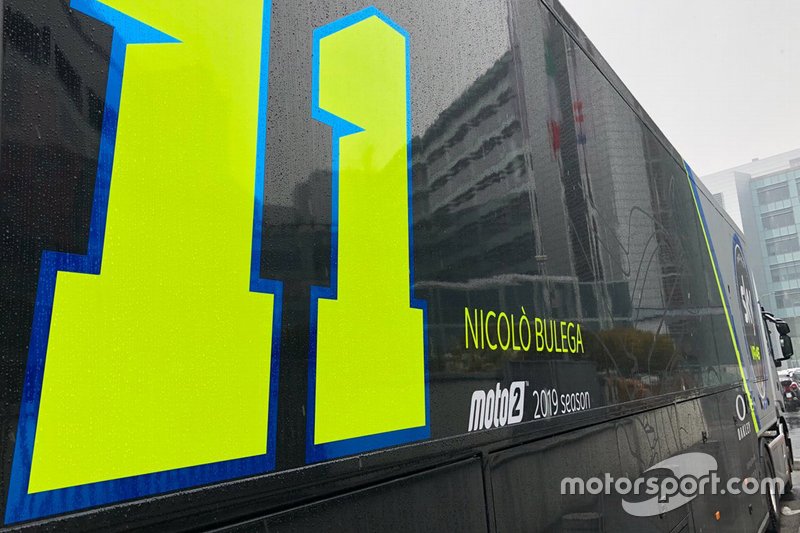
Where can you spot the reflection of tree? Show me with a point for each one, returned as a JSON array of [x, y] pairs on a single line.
[[641, 351], [473, 360], [470, 361], [638, 364]]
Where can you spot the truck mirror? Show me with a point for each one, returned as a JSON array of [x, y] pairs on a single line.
[[783, 328], [786, 347]]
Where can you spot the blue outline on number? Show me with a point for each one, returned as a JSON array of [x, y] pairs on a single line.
[[715, 266], [20, 505], [342, 128]]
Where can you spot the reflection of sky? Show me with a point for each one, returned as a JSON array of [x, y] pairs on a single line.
[[741, 57]]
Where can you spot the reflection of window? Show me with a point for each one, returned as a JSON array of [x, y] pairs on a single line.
[[69, 77], [773, 193], [720, 200], [30, 40], [783, 245], [788, 298], [95, 111], [778, 219], [785, 271]]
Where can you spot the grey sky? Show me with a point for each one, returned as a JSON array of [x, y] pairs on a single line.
[[721, 78]]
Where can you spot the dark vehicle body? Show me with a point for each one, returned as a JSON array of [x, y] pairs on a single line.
[[537, 187]]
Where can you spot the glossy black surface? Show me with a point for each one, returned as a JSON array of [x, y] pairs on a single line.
[[533, 473], [535, 186], [449, 498]]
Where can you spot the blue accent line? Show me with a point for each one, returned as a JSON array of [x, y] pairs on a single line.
[[21, 505], [130, 30], [342, 128], [257, 283], [698, 199]]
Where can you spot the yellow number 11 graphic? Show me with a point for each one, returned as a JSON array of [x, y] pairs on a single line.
[[367, 381], [153, 358]]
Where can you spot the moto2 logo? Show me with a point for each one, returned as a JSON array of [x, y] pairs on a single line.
[[497, 407]]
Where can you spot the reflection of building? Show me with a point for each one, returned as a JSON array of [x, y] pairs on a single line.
[[51, 73], [763, 197], [61, 96], [565, 199], [53, 85], [540, 188], [297, 237], [471, 186]]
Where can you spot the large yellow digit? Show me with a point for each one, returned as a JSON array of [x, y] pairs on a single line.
[[163, 360], [368, 365]]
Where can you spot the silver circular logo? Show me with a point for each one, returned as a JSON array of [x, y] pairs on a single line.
[[741, 407]]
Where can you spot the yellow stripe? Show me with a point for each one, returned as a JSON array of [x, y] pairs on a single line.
[[724, 300]]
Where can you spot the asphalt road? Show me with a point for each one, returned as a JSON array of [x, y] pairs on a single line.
[[790, 504]]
